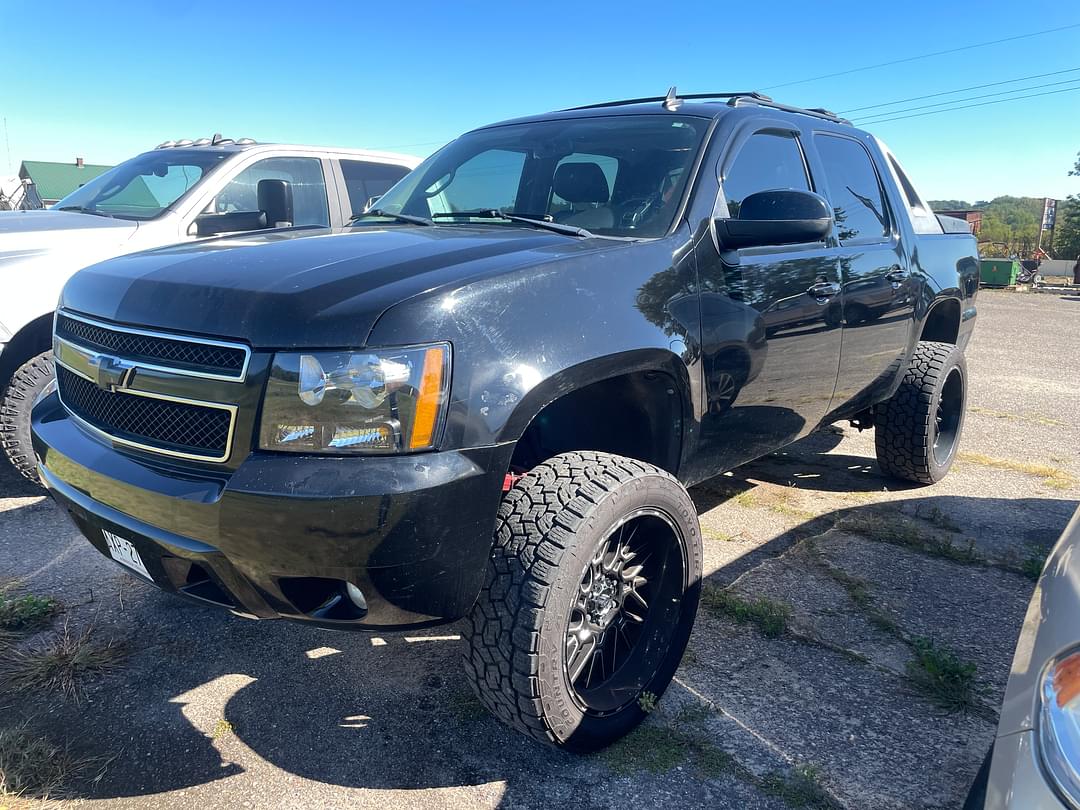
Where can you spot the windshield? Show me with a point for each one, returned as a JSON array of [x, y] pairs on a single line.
[[612, 176], [143, 187]]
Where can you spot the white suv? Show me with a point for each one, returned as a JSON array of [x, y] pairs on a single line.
[[179, 191]]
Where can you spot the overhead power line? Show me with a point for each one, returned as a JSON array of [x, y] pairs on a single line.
[[959, 90], [968, 98], [969, 106], [907, 59]]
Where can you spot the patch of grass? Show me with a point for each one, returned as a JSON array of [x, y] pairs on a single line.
[[800, 788], [746, 499], [657, 749], [1042, 420], [1052, 476], [858, 590], [223, 728], [26, 612], [61, 663], [31, 767], [902, 532], [942, 675], [1032, 565], [936, 517], [722, 537], [647, 702], [768, 615], [651, 747]]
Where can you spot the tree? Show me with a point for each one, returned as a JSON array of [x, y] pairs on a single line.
[[948, 205], [1067, 228]]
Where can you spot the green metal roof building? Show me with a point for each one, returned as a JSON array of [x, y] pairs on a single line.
[[54, 181]]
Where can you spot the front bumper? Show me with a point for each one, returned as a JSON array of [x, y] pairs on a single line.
[[289, 536]]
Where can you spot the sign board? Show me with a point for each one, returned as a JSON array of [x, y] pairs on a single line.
[[1049, 213]]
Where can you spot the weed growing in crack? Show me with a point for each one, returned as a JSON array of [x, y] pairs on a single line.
[[767, 615]]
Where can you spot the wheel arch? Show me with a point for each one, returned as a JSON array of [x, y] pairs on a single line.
[[33, 339], [634, 404], [942, 321]]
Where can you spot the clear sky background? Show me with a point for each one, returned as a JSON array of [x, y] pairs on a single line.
[[106, 80]]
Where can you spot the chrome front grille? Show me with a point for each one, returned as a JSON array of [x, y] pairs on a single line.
[[148, 422], [206, 358], [124, 384]]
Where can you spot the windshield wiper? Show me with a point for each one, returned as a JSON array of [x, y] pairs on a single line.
[[83, 210], [536, 222], [378, 212]]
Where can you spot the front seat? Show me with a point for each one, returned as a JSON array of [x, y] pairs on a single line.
[[585, 187]]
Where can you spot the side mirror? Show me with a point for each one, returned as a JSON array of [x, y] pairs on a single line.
[[231, 222], [275, 201], [778, 217]]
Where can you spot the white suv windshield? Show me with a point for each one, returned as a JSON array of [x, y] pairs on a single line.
[[143, 187], [613, 176]]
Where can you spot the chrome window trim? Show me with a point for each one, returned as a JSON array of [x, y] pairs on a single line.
[[231, 409], [180, 338]]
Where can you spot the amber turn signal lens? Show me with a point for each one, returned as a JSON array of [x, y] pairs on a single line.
[[428, 402]]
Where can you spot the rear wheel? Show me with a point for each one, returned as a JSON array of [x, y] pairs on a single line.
[[589, 598], [917, 431], [25, 386]]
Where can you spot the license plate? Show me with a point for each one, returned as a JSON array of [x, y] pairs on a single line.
[[124, 553]]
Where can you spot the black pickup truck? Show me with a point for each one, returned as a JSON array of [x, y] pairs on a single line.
[[484, 399]]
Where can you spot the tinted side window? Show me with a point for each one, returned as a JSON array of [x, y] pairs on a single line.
[[765, 162], [366, 180], [305, 175], [854, 189]]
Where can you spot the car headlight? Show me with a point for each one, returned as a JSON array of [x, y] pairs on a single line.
[[375, 401], [1059, 725]]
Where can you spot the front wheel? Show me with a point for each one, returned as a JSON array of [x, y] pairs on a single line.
[[589, 599], [27, 384], [917, 431]]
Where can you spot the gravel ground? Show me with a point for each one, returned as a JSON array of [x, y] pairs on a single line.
[[208, 710]]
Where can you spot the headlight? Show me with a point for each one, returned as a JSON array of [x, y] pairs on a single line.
[[379, 401], [1059, 725]]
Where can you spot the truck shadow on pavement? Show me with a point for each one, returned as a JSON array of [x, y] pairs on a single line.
[[204, 696]]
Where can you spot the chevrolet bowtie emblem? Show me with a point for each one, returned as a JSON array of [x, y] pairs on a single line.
[[110, 373]]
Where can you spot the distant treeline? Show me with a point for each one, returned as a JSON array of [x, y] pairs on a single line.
[[1011, 224]]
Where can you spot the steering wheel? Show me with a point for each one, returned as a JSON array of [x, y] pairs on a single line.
[[637, 210]]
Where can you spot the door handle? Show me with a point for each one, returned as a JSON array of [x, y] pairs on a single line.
[[896, 274], [825, 289]]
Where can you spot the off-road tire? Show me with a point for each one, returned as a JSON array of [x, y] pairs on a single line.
[[905, 426], [28, 381], [549, 526]]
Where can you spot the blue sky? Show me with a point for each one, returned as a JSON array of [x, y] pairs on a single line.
[[105, 81]]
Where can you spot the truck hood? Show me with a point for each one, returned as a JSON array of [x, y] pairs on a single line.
[[41, 231], [299, 289]]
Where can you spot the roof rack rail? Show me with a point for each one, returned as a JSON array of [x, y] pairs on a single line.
[[673, 99], [816, 112]]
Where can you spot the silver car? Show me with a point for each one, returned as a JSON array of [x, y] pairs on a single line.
[[1035, 763]]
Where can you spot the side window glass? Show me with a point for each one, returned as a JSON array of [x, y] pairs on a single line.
[[485, 181], [766, 161], [365, 180], [854, 189], [304, 175]]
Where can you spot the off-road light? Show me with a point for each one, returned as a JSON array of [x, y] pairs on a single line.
[[1059, 725], [376, 401]]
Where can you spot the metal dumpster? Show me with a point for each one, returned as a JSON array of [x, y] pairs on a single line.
[[998, 272]]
